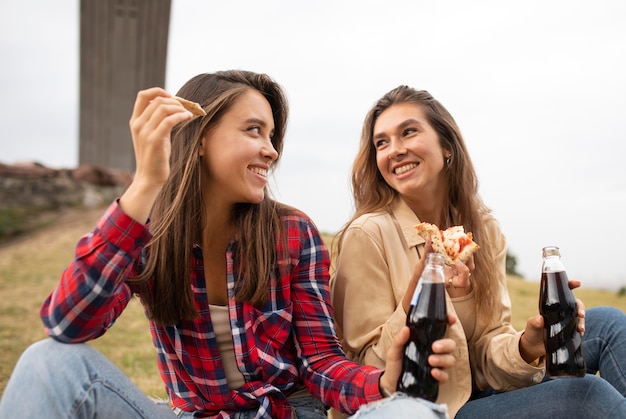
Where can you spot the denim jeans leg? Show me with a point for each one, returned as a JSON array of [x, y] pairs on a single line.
[[307, 407], [401, 406], [60, 380], [586, 397], [604, 345]]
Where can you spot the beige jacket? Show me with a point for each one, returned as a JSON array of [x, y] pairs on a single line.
[[378, 255]]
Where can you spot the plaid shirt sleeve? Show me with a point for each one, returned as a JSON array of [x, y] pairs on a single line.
[[92, 293], [326, 371]]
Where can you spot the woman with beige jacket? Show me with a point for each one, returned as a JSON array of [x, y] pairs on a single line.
[[412, 167]]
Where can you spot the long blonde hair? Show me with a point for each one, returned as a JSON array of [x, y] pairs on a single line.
[[177, 215], [462, 203]]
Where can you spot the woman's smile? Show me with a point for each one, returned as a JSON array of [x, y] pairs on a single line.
[[404, 168]]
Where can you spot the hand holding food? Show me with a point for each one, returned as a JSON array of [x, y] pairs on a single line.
[[192, 107], [453, 243]]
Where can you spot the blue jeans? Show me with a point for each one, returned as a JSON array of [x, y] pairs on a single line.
[[587, 397], [604, 345], [604, 349], [400, 405], [40, 386], [59, 380]]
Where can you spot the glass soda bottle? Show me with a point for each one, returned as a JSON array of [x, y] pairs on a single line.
[[427, 319], [557, 305]]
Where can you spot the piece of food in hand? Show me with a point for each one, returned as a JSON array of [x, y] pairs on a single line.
[[453, 243], [192, 107]]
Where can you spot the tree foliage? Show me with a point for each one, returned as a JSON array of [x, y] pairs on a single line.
[[511, 264]]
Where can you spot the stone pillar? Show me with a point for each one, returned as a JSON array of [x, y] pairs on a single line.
[[123, 49]]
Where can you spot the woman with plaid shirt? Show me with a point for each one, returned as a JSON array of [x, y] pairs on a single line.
[[234, 283]]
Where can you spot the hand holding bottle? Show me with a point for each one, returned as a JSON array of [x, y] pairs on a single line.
[[561, 322], [442, 358], [580, 306], [427, 320], [531, 343]]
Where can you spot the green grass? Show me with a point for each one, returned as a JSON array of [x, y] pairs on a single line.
[[30, 267], [17, 221]]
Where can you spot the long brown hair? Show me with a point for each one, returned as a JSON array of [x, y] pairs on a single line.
[[177, 215], [462, 203]]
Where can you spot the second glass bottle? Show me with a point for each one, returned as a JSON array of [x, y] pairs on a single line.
[[427, 319]]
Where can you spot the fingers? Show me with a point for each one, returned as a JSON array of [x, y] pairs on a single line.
[[155, 114], [463, 274], [581, 326], [470, 264], [581, 316], [145, 97], [155, 111], [581, 307], [440, 375], [535, 323], [428, 247], [396, 352], [443, 347], [393, 364], [573, 283], [442, 358], [458, 279]]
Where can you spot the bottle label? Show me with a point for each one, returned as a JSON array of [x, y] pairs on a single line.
[[416, 293]]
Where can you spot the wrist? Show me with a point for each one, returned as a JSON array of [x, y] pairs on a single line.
[[530, 353], [382, 388], [138, 199]]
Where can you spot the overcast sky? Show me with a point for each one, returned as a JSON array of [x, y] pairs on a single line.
[[537, 87]]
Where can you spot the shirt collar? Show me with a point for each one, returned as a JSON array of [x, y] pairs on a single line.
[[407, 220]]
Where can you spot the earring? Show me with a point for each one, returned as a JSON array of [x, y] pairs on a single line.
[[448, 160]]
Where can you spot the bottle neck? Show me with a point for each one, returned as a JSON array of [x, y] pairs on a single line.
[[433, 271], [552, 264]]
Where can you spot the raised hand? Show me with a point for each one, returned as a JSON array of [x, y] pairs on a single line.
[[155, 113]]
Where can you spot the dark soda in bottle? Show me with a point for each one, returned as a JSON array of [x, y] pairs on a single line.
[[427, 320], [557, 305]]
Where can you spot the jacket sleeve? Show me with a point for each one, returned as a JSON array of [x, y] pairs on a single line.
[[92, 293], [494, 351], [364, 299]]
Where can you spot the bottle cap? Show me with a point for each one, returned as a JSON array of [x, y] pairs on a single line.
[[551, 251]]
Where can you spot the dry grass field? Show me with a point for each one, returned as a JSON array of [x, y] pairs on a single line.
[[30, 267]]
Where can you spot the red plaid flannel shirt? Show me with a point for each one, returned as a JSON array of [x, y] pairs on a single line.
[[279, 348]]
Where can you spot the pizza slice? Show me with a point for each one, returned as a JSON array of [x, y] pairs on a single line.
[[453, 243], [192, 107]]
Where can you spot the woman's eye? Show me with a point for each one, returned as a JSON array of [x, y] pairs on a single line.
[[380, 143], [255, 129], [408, 131]]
